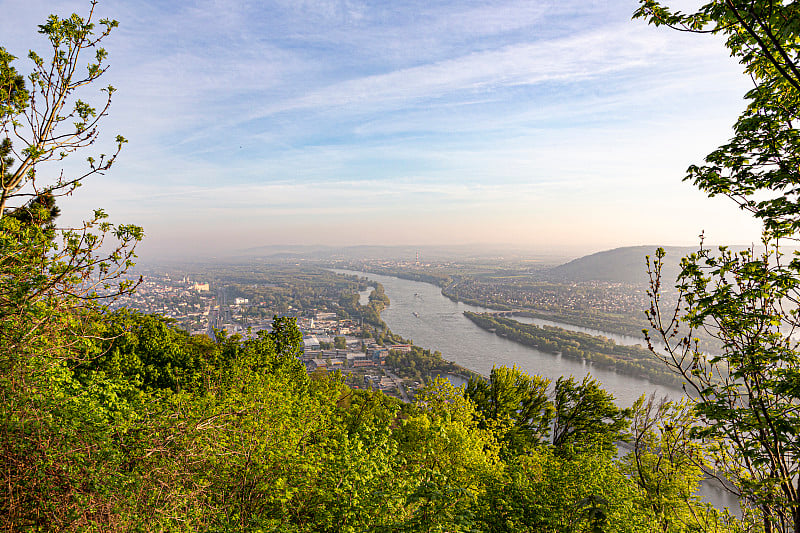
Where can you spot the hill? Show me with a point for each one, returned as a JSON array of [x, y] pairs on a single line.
[[624, 265]]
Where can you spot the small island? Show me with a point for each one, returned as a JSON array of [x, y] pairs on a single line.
[[601, 351]]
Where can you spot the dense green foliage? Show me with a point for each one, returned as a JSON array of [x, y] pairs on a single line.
[[515, 405], [579, 417], [153, 429]]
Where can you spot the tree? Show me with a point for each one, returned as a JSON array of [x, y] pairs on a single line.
[[449, 459], [48, 121], [586, 416], [758, 167], [515, 405], [287, 338], [746, 397], [57, 433], [13, 99], [542, 491], [41, 210], [339, 343], [666, 463], [44, 272]]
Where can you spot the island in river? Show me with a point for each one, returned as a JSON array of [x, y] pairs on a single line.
[[601, 351]]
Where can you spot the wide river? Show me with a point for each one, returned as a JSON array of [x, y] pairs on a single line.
[[419, 312]]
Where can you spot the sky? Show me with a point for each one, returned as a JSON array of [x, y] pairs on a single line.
[[537, 124]]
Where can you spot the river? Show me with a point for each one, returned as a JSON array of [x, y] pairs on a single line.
[[418, 311]]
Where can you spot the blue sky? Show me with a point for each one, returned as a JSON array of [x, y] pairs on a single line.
[[537, 124]]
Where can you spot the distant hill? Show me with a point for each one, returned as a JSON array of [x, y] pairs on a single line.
[[624, 265], [627, 264]]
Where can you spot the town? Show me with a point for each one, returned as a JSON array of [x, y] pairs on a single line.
[[331, 343]]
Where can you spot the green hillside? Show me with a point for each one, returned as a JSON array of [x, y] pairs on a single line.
[[623, 265]]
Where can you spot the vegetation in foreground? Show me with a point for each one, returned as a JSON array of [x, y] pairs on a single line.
[[154, 429]]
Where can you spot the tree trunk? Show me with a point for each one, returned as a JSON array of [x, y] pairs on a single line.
[[796, 518], [767, 521]]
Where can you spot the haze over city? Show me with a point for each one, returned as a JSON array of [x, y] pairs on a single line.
[[527, 123]]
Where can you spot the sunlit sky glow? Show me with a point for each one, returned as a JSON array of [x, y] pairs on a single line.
[[537, 124]]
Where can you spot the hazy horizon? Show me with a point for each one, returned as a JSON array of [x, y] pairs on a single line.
[[437, 255], [548, 125]]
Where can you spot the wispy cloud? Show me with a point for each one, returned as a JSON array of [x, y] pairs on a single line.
[[573, 59], [330, 112]]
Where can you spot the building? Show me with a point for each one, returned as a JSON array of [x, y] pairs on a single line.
[[400, 347], [310, 343], [316, 364]]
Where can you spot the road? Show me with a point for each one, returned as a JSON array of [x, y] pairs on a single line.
[[398, 382]]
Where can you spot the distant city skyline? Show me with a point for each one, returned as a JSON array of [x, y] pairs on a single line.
[[534, 124]]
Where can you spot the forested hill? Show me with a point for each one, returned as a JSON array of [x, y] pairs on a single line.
[[624, 265]]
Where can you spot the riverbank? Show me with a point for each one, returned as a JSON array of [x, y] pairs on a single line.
[[417, 364], [617, 324], [471, 301]]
